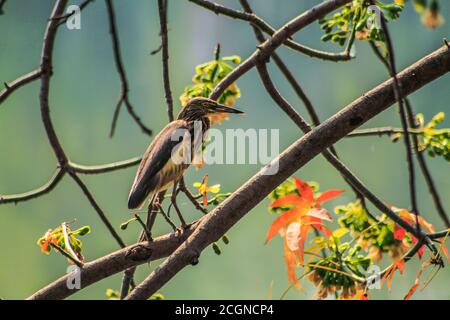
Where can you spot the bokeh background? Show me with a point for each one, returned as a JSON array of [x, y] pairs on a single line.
[[84, 90]]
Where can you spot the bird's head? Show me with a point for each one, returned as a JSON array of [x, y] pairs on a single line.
[[200, 107]]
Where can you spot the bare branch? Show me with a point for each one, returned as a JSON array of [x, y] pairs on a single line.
[[19, 82], [223, 217], [123, 97], [268, 29], [46, 188]]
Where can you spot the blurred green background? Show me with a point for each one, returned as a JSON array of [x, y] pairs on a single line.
[[84, 90]]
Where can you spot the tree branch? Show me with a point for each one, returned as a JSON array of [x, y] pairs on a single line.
[[123, 97], [223, 217]]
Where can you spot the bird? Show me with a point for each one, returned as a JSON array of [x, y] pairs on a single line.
[[160, 166]]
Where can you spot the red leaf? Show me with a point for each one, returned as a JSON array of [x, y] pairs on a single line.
[[289, 200], [399, 232], [280, 222], [328, 195], [304, 190]]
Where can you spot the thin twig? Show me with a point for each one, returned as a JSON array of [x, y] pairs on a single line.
[[162, 9], [46, 188], [19, 82], [268, 29], [404, 121], [191, 197], [124, 88], [97, 208], [104, 168]]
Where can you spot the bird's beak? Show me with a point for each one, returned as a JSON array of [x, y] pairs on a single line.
[[220, 108]]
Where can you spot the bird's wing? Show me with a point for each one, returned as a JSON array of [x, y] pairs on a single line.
[[154, 159]]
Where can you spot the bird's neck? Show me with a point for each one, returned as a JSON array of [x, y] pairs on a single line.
[[203, 123]]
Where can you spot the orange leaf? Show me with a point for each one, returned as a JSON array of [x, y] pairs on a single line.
[[289, 200], [304, 190], [280, 222], [328, 195]]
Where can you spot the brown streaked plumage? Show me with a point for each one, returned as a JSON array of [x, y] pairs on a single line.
[[157, 170]]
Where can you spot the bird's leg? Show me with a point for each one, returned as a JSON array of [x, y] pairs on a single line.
[[174, 203]]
